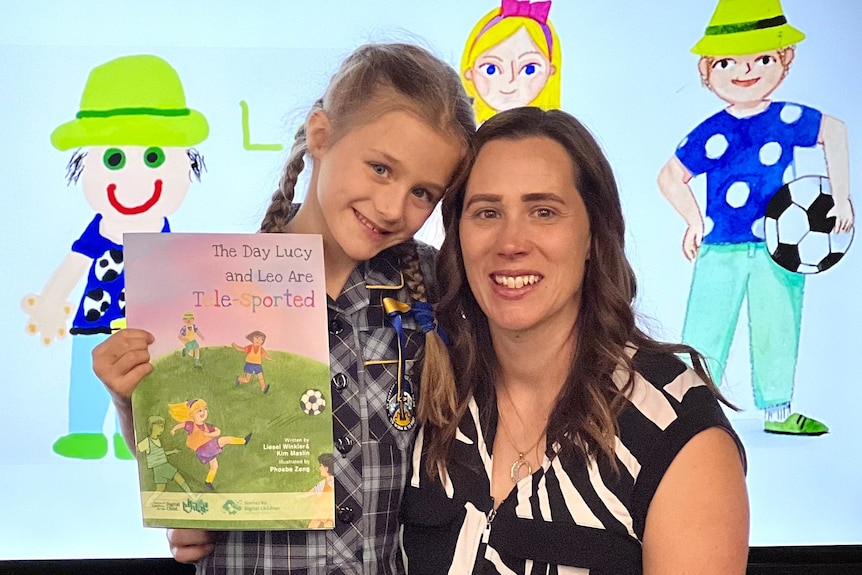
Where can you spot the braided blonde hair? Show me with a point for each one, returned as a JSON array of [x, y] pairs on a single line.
[[437, 397], [386, 74]]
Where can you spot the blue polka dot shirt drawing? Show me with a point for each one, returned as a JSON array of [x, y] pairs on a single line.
[[746, 160]]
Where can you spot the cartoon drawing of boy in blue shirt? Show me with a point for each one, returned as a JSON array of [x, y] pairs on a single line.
[[746, 152]]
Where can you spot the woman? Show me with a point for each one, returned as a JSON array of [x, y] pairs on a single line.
[[612, 455]]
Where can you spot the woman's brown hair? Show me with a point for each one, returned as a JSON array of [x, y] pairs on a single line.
[[585, 416]]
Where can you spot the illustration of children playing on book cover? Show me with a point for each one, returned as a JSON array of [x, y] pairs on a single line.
[[205, 439], [189, 335], [157, 459], [237, 456], [254, 356]]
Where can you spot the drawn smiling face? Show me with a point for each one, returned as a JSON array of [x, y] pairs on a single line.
[[745, 79], [512, 73], [136, 185]]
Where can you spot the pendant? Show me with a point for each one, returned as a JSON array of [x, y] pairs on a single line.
[[520, 463], [401, 407]]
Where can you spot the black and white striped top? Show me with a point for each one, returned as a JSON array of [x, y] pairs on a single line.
[[568, 517]]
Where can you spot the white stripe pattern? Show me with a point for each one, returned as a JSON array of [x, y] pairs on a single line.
[[469, 539]]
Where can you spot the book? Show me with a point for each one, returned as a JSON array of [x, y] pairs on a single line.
[[233, 428]]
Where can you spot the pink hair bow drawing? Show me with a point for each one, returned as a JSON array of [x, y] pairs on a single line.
[[538, 11]]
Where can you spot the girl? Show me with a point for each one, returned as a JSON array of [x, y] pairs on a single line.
[[579, 444], [254, 356], [205, 439], [391, 134]]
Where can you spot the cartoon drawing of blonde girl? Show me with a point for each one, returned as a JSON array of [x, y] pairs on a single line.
[[204, 438], [512, 58]]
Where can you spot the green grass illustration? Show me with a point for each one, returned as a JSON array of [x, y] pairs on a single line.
[[238, 411]]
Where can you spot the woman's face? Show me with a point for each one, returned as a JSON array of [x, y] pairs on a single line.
[[525, 235], [512, 73]]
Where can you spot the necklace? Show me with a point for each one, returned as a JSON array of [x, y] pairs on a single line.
[[521, 462]]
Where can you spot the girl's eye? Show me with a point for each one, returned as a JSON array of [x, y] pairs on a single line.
[[765, 60], [424, 194], [723, 64], [154, 157], [114, 159], [529, 69], [380, 169], [489, 69]]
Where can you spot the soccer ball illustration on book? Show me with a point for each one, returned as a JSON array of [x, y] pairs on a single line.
[[799, 235], [312, 402]]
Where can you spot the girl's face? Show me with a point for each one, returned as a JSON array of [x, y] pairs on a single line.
[[378, 183], [512, 73], [525, 235], [257, 340], [200, 415]]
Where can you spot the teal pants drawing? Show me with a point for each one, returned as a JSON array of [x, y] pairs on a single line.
[[726, 276]]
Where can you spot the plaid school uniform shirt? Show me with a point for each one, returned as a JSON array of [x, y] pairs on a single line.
[[372, 455]]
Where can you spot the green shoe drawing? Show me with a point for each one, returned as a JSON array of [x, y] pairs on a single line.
[[121, 450], [796, 424], [82, 446]]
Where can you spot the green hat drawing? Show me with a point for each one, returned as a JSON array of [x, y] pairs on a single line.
[[133, 101], [740, 27]]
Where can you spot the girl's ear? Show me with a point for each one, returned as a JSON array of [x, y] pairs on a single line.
[[318, 133]]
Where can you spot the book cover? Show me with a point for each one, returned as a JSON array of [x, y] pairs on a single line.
[[233, 427]]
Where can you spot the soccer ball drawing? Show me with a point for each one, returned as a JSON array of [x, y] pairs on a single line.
[[799, 235], [312, 402]]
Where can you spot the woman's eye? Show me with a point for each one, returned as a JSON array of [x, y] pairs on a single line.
[[544, 212], [154, 157], [380, 169], [114, 158]]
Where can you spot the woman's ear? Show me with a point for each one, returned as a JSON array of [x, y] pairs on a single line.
[[318, 133]]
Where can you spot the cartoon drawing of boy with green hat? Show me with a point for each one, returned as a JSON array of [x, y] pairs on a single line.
[[132, 137], [746, 152]]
